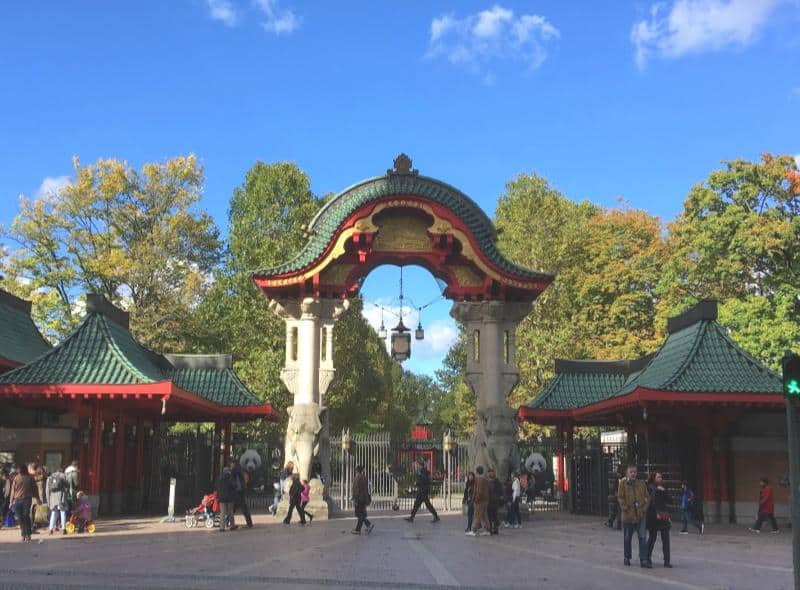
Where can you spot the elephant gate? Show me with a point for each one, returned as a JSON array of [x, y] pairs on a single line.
[[400, 218]]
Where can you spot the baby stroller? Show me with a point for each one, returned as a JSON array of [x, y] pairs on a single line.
[[207, 511], [80, 518]]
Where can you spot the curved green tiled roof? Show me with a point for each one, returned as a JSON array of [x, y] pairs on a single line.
[[328, 220], [702, 357], [102, 351], [99, 351], [579, 383], [20, 340], [220, 386]]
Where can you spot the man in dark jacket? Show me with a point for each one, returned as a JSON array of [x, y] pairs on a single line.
[[766, 507], [295, 502], [361, 499], [241, 491], [423, 492], [496, 499], [226, 495]]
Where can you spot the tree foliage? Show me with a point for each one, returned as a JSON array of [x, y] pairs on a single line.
[[738, 241], [135, 236]]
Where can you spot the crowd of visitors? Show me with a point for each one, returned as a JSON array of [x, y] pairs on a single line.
[[30, 497]]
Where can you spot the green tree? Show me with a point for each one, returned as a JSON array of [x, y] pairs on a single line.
[[616, 283], [738, 241], [266, 216], [456, 406], [541, 229], [136, 236]]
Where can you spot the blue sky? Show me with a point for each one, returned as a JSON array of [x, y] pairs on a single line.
[[608, 99]]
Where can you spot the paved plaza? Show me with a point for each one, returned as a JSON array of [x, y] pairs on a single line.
[[552, 551]]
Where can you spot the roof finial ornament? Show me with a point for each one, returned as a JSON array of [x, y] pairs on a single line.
[[402, 167]]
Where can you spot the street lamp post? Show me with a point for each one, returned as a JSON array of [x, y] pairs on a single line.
[[347, 442], [447, 447]]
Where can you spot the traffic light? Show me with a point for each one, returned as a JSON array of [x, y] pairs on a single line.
[[791, 375]]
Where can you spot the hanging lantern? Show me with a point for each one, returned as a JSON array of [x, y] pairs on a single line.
[[401, 342], [382, 329], [419, 333]]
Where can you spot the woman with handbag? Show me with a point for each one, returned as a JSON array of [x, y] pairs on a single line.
[[658, 518]]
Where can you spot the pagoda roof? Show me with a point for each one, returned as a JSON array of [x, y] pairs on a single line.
[[101, 355], [20, 339], [582, 382], [697, 362], [331, 217]]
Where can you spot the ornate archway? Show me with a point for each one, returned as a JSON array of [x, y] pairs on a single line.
[[401, 218]]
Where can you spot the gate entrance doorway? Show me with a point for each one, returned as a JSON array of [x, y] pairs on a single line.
[[400, 218]]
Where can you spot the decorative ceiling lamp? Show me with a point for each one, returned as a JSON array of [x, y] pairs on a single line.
[[382, 330], [419, 334], [401, 337]]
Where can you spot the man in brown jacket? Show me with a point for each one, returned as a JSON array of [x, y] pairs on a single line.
[[480, 501], [633, 501], [361, 499]]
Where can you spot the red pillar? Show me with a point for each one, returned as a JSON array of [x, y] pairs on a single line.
[[83, 424], [120, 450], [95, 451]]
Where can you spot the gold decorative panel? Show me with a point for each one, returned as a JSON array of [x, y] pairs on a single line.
[[403, 232], [466, 277]]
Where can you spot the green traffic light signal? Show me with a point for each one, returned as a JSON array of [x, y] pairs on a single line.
[[791, 375]]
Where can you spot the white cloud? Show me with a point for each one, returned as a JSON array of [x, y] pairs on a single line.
[[477, 40], [223, 11], [277, 20], [51, 185], [694, 26]]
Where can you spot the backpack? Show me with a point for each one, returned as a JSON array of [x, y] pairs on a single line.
[[56, 484]]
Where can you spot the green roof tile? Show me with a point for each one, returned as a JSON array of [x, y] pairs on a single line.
[[697, 356], [220, 386], [98, 351], [703, 358], [332, 215], [101, 350], [20, 340]]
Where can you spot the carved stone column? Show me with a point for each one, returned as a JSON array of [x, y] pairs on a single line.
[[492, 374], [307, 374]]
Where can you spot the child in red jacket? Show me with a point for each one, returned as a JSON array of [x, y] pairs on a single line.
[[766, 507]]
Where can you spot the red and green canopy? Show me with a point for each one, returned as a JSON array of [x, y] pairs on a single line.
[[698, 364], [101, 359]]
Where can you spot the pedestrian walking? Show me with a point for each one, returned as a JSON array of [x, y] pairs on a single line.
[[361, 500], [57, 490], [514, 516], [295, 503], [658, 518], [689, 510], [766, 507], [633, 502], [305, 497], [496, 499], [240, 482], [615, 514], [5, 484], [423, 492], [23, 493], [469, 492], [73, 475], [226, 495], [480, 499], [286, 473]]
